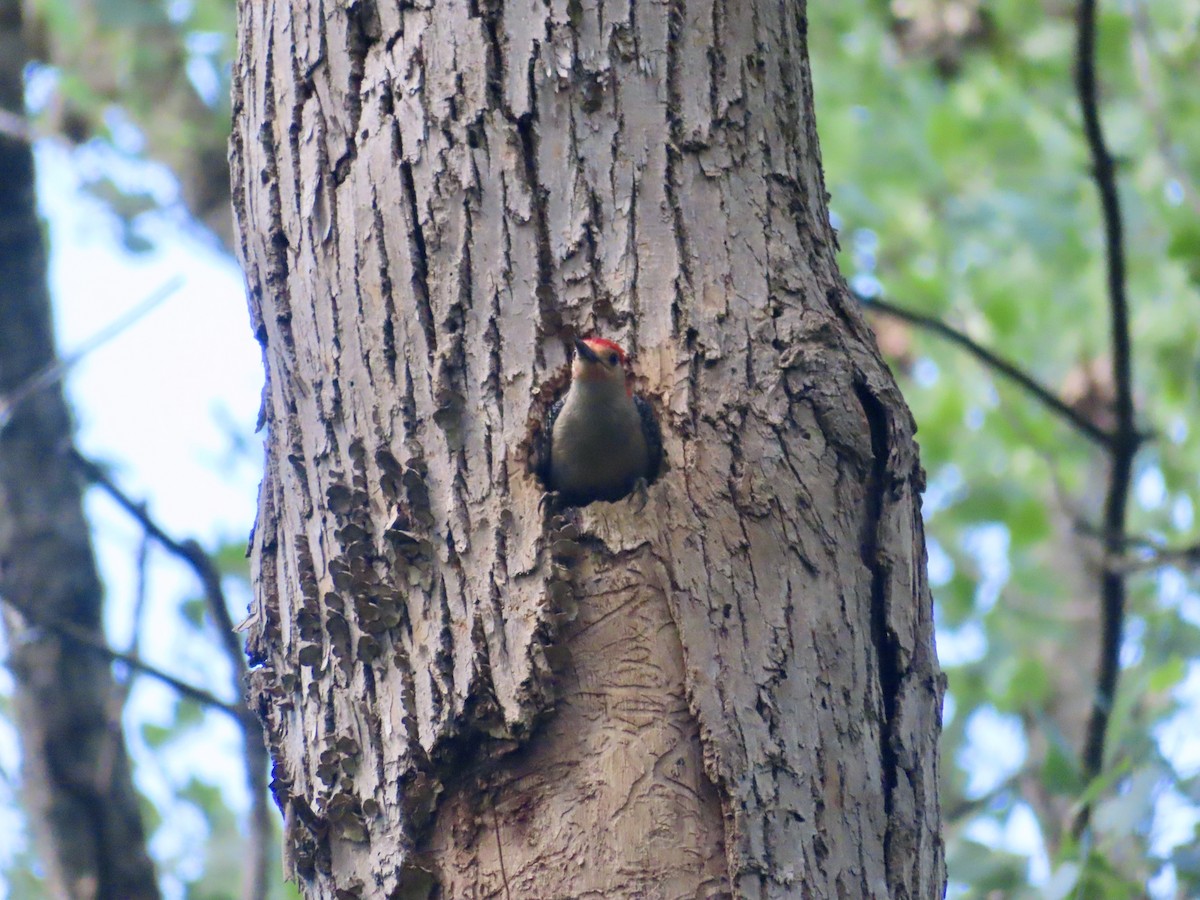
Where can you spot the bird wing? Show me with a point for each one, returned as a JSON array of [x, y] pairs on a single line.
[[541, 447], [652, 432]]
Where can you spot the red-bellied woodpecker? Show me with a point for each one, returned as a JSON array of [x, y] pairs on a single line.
[[600, 440]]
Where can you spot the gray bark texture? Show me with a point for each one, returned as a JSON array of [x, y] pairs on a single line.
[[732, 692], [76, 783]]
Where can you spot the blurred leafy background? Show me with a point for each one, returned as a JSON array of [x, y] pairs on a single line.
[[962, 189]]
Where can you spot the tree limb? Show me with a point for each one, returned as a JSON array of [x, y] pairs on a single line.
[[57, 369], [965, 808], [1124, 443], [89, 640], [1144, 554], [990, 359]]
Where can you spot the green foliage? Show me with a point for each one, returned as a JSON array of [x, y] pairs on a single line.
[[953, 151], [986, 870], [232, 561], [144, 80], [21, 878]]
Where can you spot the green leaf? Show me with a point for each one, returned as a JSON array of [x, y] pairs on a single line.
[[1102, 783], [194, 610], [188, 713], [156, 736], [1167, 676], [1184, 246], [1027, 688], [231, 560], [985, 868], [205, 796], [1060, 771]]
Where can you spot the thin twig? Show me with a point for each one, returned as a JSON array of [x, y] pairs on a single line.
[[124, 687], [254, 885], [966, 808], [57, 370], [1183, 558], [1144, 554], [1081, 423], [139, 610], [89, 640], [1125, 440]]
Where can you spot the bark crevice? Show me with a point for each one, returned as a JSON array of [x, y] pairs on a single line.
[[882, 634]]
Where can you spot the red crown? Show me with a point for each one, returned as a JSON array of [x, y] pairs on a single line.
[[604, 343]]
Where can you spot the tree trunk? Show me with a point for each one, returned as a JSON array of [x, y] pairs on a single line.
[[731, 692], [79, 795]]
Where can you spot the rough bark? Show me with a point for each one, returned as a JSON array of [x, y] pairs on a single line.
[[76, 781], [733, 691]]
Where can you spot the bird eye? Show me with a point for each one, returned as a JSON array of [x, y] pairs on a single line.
[[612, 359]]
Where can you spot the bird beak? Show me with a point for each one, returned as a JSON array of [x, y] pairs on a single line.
[[585, 352]]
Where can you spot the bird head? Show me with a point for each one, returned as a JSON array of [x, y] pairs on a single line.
[[600, 362]]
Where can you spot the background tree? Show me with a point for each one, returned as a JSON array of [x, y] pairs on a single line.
[[75, 773], [67, 705], [430, 201]]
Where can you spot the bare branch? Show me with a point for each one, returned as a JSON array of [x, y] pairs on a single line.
[[139, 611], [1145, 554], [1125, 438], [1182, 558], [89, 640], [57, 370], [966, 808], [990, 359]]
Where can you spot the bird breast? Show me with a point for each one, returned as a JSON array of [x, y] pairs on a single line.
[[597, 446]]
